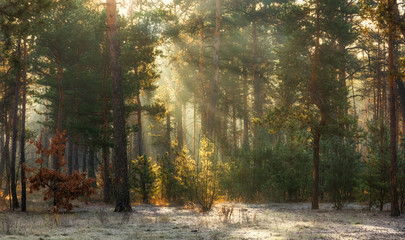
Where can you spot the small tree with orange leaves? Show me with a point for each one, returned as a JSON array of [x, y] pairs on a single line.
[[58, 184]]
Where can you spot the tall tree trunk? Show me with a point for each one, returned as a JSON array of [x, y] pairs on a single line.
[[76, 153], [168, 130], [140, 130], [106, 163], [55, 160], [22, 146], [201, 80], [7, 151], [46, 144], [225, 123], [257, 80], [120, 142], [84, 169], [392, 104], [234, 133], [4, 143], [2, 150], [316, 101], [245, 112], [195, 127], [70, 156], [215, 81], [92, 165], [179, 122], [15, 133]]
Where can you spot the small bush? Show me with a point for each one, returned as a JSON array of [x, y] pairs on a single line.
[[143, 177], [58, 185]]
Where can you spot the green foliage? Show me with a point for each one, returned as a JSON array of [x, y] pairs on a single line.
[[340, 164], [177, 175], [284, 174], [375, 177], [207, 175], [143, 177]]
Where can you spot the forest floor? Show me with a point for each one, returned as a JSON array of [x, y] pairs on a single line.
[[243, 221]]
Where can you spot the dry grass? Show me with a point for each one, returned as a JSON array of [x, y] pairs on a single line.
[[225, 221]]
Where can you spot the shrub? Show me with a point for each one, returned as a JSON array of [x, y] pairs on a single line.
[[207, 176], [341, 161], [58, 185], [143, 177]]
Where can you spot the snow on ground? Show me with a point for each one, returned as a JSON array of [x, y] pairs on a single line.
[[225, 221]]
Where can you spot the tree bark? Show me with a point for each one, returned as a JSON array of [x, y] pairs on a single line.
[[257, 81], [15, 133], [201, 80], [76, 153], [7, 151], [106, 163], [245, 112], [120, 142], [140, 130], [215, 81], [234, 134], [92, 170], [22, 143], [316, 101], [392, 103], [179, 122], [70, 156], [2, 148], [55, 160]]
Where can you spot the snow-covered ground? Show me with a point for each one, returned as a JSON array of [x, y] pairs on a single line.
[[225, 221]]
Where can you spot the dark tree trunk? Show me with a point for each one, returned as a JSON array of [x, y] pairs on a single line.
[[92, 165], [140, 130], [168, 130], [106, 175], [317, 131], [195, 127], [234, 133], [225, 123], [392, 103], [6, 151], [84, 169], [179, 122], [201, 80], [245, 113], [22, 146], [55, 160], [106, 162], [4, 143], [15, 133], [120, 142], [46, 145], [215, 81], [315, 170], [257, 80], [76, 154], [70, 156], [2, 150]]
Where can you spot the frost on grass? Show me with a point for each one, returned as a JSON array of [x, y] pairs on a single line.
[[225, 221]]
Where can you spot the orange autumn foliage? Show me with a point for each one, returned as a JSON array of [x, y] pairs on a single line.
[[58, 185]]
